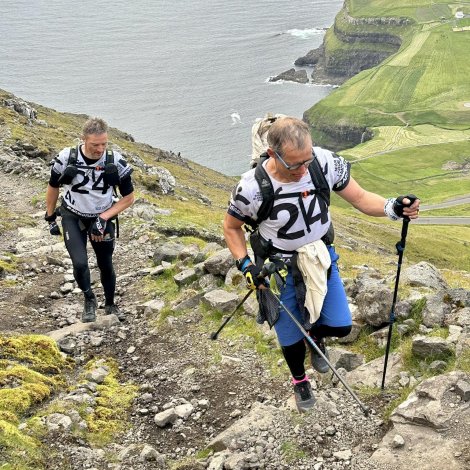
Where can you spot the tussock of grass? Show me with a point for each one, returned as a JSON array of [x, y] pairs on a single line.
[[463, 361], [402, 395], [109, 417], [31, 370], [292, 452]]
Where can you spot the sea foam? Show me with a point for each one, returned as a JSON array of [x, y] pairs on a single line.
[[305, 33]]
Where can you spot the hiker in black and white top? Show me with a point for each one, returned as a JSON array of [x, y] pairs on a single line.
[[297, 234], [88, 175]]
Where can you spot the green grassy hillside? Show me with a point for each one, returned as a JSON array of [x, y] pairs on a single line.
[[415, 104]]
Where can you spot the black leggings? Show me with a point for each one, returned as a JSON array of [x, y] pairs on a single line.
[[295, 353], [75, 236]]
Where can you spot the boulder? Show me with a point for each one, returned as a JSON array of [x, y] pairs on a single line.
[[423, 274]]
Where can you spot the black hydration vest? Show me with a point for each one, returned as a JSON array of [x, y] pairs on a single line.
[[111, 173], [263, 248]]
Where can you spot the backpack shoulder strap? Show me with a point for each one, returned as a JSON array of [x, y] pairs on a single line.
[[319, 180], [267, 191], [73, 156], [109, 157]]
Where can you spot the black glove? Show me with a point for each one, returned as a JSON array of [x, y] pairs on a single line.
[[98, 227], [54, 229], [252, 276], [50, 218], [398, 205]]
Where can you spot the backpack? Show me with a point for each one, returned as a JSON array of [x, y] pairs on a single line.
[[110, 177], [111, 173], [259, 136]]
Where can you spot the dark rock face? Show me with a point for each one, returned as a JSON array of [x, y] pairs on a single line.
[[292, 75], [340, 137], [337, 66]]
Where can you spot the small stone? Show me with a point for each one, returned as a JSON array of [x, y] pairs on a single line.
[[398, 441]]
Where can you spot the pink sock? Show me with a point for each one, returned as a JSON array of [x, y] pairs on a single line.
[[295, 381]]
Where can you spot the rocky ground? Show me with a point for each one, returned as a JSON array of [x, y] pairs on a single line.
[[191, 393]]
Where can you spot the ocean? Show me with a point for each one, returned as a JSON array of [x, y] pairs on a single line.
[[187, 76]]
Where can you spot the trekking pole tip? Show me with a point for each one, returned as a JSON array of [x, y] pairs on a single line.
[[214, 335], [366, 411]]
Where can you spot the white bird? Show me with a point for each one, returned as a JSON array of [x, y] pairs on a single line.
[[235, 118]]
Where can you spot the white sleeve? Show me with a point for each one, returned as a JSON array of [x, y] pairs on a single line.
[[245, 199]]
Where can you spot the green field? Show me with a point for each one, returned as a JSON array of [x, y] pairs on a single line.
[[416, 103], [426, 82], [419, 10]]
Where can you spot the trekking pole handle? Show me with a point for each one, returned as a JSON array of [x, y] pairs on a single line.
[[267, 269], [412, 198]]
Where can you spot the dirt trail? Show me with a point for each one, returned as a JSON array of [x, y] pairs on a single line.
[[171, 361]]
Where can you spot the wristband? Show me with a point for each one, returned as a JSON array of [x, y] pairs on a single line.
[[388, 209], [242, 263]]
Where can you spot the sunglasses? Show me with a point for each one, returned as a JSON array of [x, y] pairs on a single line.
[[306, 163]]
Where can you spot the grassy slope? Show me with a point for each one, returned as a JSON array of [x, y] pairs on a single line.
[[414, 104]]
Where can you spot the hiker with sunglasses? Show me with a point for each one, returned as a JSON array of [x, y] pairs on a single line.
[[88, 175], [297, 234]]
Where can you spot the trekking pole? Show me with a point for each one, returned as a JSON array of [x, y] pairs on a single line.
[[365, 409], [400, 246], [216, 333], [268, 268]]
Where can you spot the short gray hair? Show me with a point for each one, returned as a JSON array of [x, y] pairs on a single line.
[[288, 130], [95, 126]]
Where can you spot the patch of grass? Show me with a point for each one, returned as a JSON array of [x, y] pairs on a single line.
[[439, 332], [8, 265], [463, 361], [292, 452], [162, 285], [113, 402], [10, 220], [246, 333], [38, 352], [203, 454], [18, 451], [368, 347], [401, 395], [22, 388], [416, 314], [31, 369], [419, 366]]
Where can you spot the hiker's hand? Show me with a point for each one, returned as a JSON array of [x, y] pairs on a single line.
[[281, 269], [97, 229], [50, 218], [407, 206], [54, 229], [253, 279]]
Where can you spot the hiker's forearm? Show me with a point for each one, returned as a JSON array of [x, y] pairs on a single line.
[[52, 195], [235, 237], [364, 201]]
